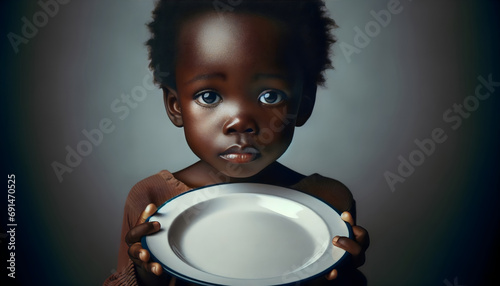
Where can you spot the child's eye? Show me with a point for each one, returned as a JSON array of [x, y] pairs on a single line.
[[209, 98], [272, 97]]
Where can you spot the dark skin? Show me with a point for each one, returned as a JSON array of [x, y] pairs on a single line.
[[239, 104]]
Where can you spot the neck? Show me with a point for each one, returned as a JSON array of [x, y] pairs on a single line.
[[201, 174]]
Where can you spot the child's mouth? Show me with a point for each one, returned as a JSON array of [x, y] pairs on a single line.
[[240, 155]]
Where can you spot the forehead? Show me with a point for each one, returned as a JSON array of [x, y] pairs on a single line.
[[244, 40]]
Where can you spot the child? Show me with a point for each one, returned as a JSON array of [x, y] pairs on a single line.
[[238, 79]]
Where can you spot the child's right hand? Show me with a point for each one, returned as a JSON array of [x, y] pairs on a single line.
[[137, 254]]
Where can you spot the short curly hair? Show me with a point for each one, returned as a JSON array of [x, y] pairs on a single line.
[[306, 19]]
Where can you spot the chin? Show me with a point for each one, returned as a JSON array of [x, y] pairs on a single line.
[[240, 171], [241, 174]]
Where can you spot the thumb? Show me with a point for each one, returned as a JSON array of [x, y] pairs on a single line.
[[148, 211]]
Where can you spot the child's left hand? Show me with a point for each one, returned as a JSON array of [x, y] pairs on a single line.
[[355, 247]]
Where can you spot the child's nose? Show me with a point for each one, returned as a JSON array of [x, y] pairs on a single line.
[[240, 124]]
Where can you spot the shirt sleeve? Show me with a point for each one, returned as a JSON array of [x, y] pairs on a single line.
[[330, 190], [155, 189], [126, 277], [126, 274]]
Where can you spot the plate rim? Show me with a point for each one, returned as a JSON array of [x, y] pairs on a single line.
[[205, 283]]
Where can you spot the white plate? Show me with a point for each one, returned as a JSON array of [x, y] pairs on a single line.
[[246, 234]]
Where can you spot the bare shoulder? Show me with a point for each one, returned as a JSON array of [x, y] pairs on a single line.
[[330, 190]]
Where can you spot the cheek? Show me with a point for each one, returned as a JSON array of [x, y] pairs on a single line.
[[202, 130], [197, 118], [277, 130], [196, 129], [275, 141]]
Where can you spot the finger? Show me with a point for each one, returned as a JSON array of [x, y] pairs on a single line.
[[154, 268], [138, 254], [332, 275], [347, 244], [361, 236], [347, 217], [141, 257], [148, 211], [351, 246], [134, 235]]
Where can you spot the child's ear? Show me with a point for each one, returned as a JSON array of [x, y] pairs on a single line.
[[306, 104], [172, 106]]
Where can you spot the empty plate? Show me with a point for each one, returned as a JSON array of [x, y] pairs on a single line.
[[246, 234]]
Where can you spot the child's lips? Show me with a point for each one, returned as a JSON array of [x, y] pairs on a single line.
[[240, 155]]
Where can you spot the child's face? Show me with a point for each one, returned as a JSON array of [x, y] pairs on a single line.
[[235, 96]]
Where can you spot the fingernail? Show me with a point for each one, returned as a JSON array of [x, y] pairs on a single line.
[[141, 255], [154, 269], [335, 239], [156, 224], [332, 275]]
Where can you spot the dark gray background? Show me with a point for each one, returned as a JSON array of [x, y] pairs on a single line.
[[437, 227]]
